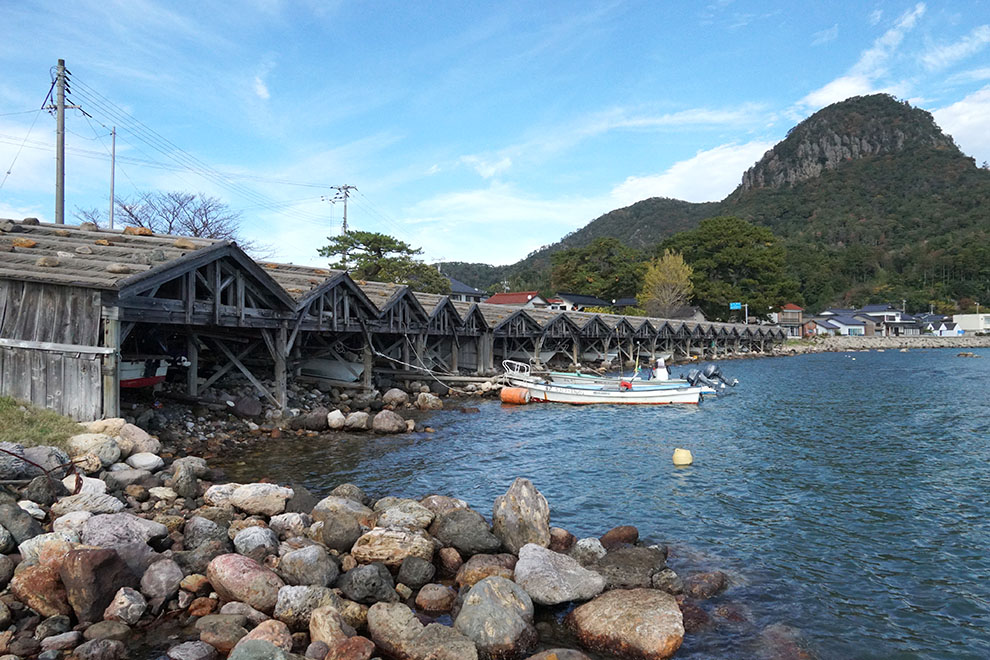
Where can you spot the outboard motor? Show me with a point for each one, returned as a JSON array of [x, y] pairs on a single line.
[[695, 378], [712, 372]]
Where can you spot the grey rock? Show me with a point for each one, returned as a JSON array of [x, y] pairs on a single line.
[[414, 572], [290, 525], [196, 465], [18, 522], [53, 625], [121, 479], [184, 482], [497, 614], [7, 543], [340, 531], [521, 516], [631, 567], [308, 566], [428, 401], [357, 421], [404, 513], [466, 530], [351, 492], [161, 582], [44, 491], [387, 422], [108, 630], [588, 551], [100, 649], [192, 651], [199, 530], [115, 529], [667, 580], [62, 642], [257, 649], [256, 543], [398, 633], [368, 584], [551, 578], [196, 561], [302, 501], [128, 605], [12, 465], [248, 406], [295, 604], [138, 556], [53, 459], [395, 397], [87, 502], [6, 572]]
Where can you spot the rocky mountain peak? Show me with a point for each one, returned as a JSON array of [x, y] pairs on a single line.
[[859, 127]]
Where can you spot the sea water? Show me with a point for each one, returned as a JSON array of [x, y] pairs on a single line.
[[846, 494]]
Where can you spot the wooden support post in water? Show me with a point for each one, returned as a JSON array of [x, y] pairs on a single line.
[[576, 352], [192, 373], [453, 354], [111, 363], [281, 386], [368, 358]]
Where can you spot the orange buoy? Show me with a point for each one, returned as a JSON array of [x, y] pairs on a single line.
[[518, 395]]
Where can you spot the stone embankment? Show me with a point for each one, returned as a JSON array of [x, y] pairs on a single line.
[[838, 344], [111, 541]]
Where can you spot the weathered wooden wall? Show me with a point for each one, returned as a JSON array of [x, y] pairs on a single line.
[[49, 355]]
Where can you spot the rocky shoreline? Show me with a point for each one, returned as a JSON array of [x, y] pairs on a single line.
[[845, 343], [114, 542]]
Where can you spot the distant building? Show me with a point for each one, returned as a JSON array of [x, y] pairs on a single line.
[[519, 299], [577, 302], [973, 322], [462, 292], [820, 326], [791, 318], [848, 325], [945, 329]]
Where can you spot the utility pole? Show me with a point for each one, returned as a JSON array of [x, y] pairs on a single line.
[[343, 192], [60, 147], [113, 163]]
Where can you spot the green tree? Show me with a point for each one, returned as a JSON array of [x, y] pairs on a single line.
[[734, 261], [606, 269], [666, 286], [381, 258]]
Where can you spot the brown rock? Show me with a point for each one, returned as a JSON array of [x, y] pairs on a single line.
[[184, 244], [561, 540], [138, 231], [23, 243], [328, 626], [352, 648], [202, 606], [449, 561], [636, 623], [693, 616], [703, 586], [195, 583], [274, 632], [435, 598], [92, 577], [391, 545], [559, 654], [47, 262], [39, 588], [235, 577], [618, 536], [479, 567]]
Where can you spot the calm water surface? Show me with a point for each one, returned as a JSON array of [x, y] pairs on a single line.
[[845, 493]]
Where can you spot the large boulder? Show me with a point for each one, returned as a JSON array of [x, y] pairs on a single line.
[[92, 502], [405, 513], [335, 504], [335, 420], [340, 531], [235, 577], [497, 614], [635, 623], [256, 543], [40, 588], [199, 530], [161, 582], [53, 459], [521, 516], [368, 584], [92, 577], [19, 522], [479, 567], [391, 545], [308, 566], [138, 440], [260, 498], [357, 421], [551, 578], [465, 529], [387, 422], [295, 604], [117, 529], [428, 401], [395, 397], [631, 567], [272, 631], [127, 606], [311, 421], [327, 625], [395, 630], [101, 445]]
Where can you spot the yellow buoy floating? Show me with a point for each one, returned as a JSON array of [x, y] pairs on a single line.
[[683, 457]]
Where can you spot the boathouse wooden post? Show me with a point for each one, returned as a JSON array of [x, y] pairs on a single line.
[[453, 352], [368, 361], [281, 386], [111, 371], [192, 372]]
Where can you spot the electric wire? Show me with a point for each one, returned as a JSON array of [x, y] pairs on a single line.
[[37, 113]]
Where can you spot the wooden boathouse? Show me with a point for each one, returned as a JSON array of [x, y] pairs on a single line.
[[77, 301]]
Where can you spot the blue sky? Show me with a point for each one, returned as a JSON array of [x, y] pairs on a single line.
[[477, 131]]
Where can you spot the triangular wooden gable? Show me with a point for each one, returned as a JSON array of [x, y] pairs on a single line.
[[596, 327], [560, 326], [398, 309], [643, 328], [518, 324], [444, 317], [473, 321], [215, 285]]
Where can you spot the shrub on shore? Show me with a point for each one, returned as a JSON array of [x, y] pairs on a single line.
[[30, 426]]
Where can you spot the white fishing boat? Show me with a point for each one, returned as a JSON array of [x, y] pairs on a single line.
[[710, 380], [142, 373], [523, 386]]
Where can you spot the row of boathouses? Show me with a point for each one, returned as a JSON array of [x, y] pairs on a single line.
[[77, 303]]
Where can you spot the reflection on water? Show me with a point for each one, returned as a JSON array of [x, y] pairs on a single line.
[[847, 498]]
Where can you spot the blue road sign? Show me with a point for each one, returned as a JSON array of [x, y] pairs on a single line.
[[735, 305]]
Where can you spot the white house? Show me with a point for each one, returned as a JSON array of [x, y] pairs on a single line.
[[848, 325], [973, 322], [946, 329]]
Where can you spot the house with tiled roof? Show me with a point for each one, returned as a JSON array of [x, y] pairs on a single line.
[[461, 292], [530, 299], [578, 302]]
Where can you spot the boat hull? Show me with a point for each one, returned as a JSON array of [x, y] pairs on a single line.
[[564, 378], [594, 394]]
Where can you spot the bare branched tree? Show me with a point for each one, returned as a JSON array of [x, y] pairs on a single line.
[[180, 214]]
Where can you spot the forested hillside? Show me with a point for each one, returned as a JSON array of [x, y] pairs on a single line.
[[873, 203]]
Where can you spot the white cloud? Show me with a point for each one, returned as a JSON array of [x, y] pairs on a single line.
[[487, 167], [973, 75], [875, 17], [940, 57], [710, 175], [863, 76], [825, 36], [968, 122], [261, 89]]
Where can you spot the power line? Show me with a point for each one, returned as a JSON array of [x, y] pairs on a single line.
[[17, 155]]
